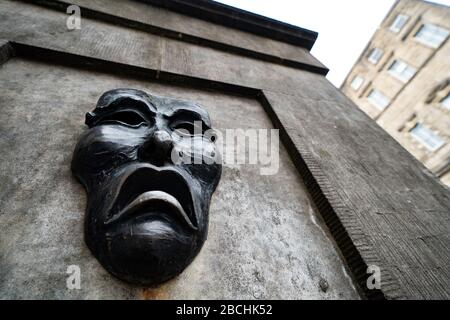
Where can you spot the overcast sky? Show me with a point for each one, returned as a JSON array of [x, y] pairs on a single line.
[[344, 26]]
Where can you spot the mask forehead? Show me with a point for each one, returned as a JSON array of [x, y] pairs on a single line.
[[168, 107], [111, 97]]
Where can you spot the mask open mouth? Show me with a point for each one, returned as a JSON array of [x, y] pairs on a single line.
[[147, 191]]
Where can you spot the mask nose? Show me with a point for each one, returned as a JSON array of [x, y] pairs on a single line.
[[157, 149]]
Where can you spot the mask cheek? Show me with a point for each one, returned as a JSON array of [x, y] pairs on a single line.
[[196, 150], [104, 157], [95, 155], [210, 153]]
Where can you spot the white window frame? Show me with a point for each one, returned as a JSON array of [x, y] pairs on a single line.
[[427, 137], [399, 22], [434, 30], [375, 55], [378, 99], [401, 70], [357, 82]]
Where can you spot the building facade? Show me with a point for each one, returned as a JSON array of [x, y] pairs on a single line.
[[402, 80]]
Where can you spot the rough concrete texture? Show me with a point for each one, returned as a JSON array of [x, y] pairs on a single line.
[[266, 239]]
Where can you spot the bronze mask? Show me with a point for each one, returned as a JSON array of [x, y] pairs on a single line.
[[147, 215]]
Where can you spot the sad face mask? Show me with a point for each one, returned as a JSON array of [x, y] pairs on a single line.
[[147, 214]]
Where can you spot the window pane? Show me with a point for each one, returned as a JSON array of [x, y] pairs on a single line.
[[399, 23], [446, 102], [375, 55], [398, 66], [427, 137], [378, 99], [401, 70], [357, 82], [432, 35], [409, 72]]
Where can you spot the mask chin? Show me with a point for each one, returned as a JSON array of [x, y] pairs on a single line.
[[152, 241], [147, 252]]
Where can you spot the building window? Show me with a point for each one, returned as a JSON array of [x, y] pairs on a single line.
[[431, 35], [427, 137], [378, 99], [446, 102], [399, 23], [375, 55], [401, 70], [357, 82]]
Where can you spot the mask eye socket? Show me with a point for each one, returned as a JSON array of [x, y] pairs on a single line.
[[187, 128], [128, 118]]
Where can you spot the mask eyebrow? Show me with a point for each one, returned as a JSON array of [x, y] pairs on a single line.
[[190, 114], [120, 104]]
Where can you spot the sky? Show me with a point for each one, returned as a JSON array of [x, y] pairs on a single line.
[[344, 26]]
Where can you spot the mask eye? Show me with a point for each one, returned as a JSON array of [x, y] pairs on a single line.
[[188, 128], [129, 118]]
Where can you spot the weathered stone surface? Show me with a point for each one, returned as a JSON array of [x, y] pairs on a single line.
[[197, 30]]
